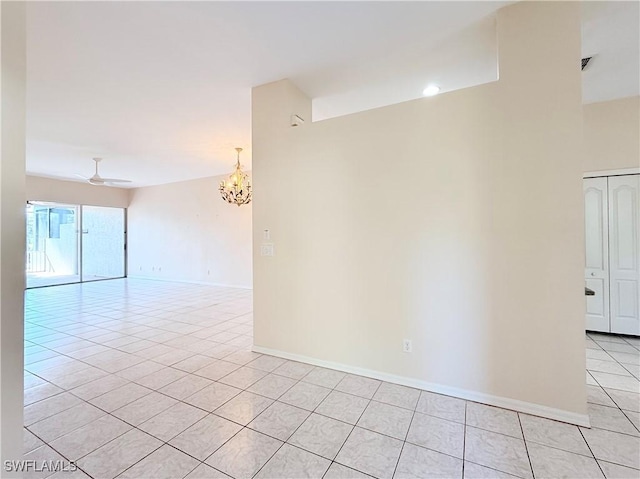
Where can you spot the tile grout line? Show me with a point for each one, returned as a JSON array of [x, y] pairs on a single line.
[[45, 443], [623, 411], [352, 429], [591, 451], [406, 435], [222, 417], [243, 426], [199, 323], [107, 413], [526, 448], [310, 414], [464, 438]]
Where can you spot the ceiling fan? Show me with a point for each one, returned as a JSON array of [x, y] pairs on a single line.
[[98, 180]]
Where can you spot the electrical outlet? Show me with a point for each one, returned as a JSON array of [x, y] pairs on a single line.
[[407, 347]]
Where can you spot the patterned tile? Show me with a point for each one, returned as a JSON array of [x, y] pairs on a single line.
[[386, 419], [244, 407], [244, 454], [306, 396], [437, 434], [371, 453], [358, 386], [396, 395], [205, 436], [444, 407], [551, 462], [344, 407], [172, 421], [423, 463], [293, 462], [279, 420], [272, 386], [497, 451], [120, 454], [174, 360], [321, 435]]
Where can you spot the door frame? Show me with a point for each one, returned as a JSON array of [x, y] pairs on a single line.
[[79, 240], [619, 172], [592, 322], [125, 257], [611, 174], [619, 323], [78, 209]]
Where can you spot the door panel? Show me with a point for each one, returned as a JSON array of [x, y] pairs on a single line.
[[103, 243], [597, 255], [624, 253], [52, 244]]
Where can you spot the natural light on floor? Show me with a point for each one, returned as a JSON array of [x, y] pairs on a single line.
[[138, 378]]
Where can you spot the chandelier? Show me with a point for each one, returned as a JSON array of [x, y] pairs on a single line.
[[237, 188]]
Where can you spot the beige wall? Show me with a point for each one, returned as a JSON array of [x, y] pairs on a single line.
[[185, 231], [75, 193], [12, 227], [453, 221], [612, 135]]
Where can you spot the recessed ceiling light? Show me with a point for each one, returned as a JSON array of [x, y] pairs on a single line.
[[431, 90]]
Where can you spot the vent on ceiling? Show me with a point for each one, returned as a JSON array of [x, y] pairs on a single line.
[[585, 62]]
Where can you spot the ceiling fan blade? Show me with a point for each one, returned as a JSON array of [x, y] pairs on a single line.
[[115, 180]]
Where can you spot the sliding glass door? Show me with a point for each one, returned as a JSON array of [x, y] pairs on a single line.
[[103, 243], [52, 244], [72, 243]]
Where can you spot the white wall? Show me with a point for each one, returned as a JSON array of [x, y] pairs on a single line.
[[12, 227], [185, 231], [612, 134], [454, 221], [75, 193]]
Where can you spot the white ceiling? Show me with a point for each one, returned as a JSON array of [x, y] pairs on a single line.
[[162, 90]]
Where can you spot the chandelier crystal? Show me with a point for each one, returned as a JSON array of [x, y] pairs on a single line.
[[237, 188]]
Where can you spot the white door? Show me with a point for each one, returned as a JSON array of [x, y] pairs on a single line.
[[597, 253], [624, 253]]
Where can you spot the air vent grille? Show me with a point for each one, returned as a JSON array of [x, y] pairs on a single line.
[[585, 62]]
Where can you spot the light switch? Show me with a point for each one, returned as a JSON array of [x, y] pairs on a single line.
[[266, 249], [266, 235]]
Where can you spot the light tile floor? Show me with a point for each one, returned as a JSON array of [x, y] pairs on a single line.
[[143, 379]]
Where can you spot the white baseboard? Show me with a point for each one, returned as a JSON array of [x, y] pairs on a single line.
[[169, 280], [499, 401]]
